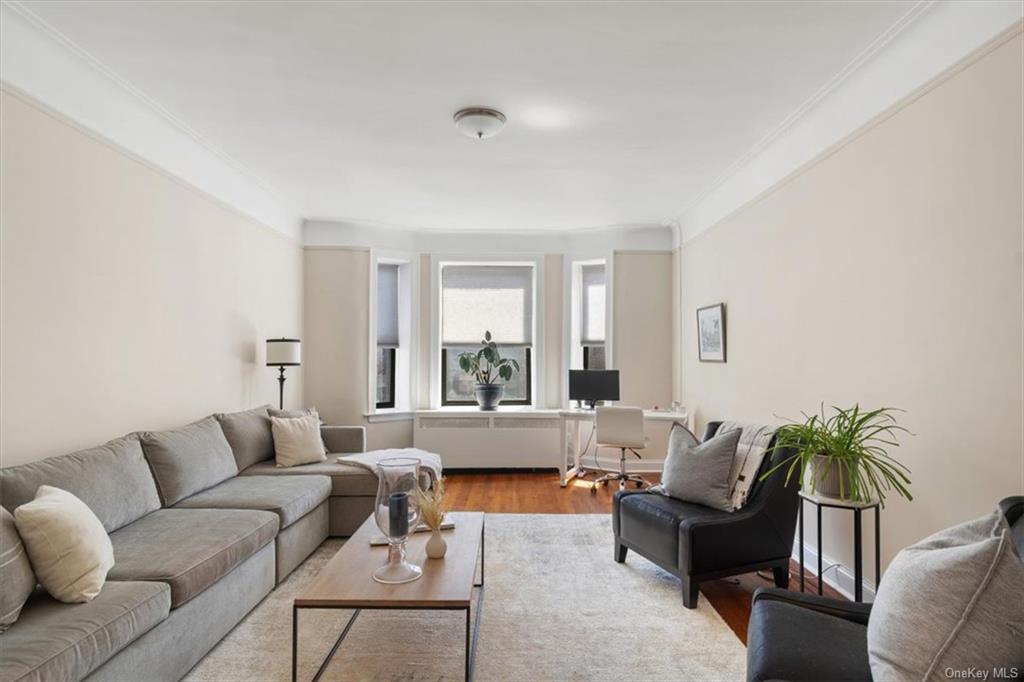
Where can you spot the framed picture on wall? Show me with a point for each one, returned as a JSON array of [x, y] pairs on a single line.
[[711, 333]]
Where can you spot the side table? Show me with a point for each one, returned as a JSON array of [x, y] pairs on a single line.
[[821, 501]]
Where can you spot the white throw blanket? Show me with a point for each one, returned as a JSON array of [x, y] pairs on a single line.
[[750, 452], [370, 460]]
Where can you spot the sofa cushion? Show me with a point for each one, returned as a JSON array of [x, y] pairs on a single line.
[[249, 435], [57, 641], [346, 480], [652, 520], [951, 601], [113, 480], [189, 549], [188, 459], [290, 497], [17, 581], [785, 643]]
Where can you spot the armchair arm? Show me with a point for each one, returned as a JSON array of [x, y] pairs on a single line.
[[342, 439], [855, 612]]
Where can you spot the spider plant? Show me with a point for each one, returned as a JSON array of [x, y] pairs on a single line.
[[850, 443], [486, 364]]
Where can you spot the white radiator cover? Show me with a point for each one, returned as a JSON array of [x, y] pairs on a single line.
[[490, 440]]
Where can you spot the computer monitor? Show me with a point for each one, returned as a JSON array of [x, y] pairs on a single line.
[[592, 385]]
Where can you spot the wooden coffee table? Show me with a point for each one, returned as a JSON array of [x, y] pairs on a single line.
[[346, 582]]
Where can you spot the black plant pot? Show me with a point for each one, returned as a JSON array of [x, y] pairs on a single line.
[[488, 396]]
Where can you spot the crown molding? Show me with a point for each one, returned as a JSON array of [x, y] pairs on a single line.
[[46, 66], [584, 243], [927, 41]]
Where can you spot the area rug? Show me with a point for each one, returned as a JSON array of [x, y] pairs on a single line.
[[556, 607]]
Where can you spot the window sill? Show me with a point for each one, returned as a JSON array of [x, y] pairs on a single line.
[[508, 411], [390, 415]]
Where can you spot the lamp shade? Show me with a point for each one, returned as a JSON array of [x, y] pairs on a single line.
[[284, 352]]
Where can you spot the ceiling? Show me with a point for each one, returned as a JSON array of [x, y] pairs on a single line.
[[618, 113]]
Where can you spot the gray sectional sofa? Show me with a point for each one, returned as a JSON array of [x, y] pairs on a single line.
[[203, 527]]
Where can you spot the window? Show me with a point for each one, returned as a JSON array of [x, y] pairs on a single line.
[[480, 298], [387, 333], [592, 315]]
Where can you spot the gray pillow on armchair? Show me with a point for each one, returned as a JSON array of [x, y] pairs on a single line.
[[700, 472]]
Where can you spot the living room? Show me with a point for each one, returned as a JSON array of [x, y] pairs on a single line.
[[519, 340]]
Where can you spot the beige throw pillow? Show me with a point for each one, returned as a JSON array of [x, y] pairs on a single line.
[[297, 440], [67, 545]]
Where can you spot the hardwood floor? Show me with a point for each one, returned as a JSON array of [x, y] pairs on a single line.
[[540, 493]]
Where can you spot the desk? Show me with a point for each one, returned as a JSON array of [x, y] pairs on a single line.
[[569, 465]]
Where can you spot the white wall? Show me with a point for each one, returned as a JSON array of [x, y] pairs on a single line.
[[887, 272], [130, 300]]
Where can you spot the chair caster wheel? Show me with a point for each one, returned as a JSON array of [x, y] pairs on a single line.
[[593, 490], [639, 484], [604, 483]]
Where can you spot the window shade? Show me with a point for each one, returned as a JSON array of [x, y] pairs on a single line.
[[592, 292], [479, 298], [387, 305]]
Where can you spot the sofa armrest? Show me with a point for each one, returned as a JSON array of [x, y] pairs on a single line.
[[855, 612], [342, 439]]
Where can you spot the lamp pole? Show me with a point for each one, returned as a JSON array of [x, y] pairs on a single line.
[[280, 380]]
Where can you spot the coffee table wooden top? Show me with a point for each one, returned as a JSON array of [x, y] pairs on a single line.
[[347, 579]]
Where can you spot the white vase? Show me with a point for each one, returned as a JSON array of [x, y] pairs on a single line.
[[436, 546]]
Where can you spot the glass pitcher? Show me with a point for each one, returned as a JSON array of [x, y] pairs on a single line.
[[397, 513]]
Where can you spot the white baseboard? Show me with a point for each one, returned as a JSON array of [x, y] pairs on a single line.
[[839, 577]]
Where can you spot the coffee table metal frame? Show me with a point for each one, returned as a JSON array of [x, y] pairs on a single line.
[[472, 635]]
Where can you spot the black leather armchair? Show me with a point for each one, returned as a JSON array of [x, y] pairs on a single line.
[[697, 543], [796, 636]]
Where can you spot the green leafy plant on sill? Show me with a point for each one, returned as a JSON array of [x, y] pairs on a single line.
[[487, 365], [848, 448]]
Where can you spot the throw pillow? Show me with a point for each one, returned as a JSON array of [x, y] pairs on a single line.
[[17, 581], [67, 545], [680, 439], [297, 440], [950, 602], [700, 473], [249, 435]]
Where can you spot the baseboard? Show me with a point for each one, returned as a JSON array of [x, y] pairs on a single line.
[[839, 577]]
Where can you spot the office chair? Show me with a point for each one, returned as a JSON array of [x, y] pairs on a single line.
[[621, 428]]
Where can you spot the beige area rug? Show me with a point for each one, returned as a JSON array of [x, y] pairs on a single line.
[[556, 607]]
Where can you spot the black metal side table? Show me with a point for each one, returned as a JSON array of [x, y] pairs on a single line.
[[821, 501]]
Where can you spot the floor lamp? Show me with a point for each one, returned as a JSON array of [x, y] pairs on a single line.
[[283, 353]]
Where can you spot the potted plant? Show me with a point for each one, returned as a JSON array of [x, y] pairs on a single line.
[[843, 455], [487, 365]]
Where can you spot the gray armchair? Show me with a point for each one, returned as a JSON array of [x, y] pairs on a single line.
[[698, 543]]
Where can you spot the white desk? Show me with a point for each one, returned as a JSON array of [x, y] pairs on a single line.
[[569, 462]]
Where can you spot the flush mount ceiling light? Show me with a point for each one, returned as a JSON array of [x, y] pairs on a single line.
[[479, 122]]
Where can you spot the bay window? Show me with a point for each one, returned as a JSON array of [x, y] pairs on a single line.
[[592, 315]]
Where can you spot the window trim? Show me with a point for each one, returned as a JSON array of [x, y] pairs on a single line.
[[445, 402], [406, 356], [572, 347], [437, 260]]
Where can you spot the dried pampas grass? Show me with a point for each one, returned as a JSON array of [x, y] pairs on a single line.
[[432, 505]]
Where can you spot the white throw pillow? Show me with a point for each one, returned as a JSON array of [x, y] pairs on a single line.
[[297, 441], [67, 545]]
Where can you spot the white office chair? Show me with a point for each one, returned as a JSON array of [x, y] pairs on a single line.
[[621, 428]]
